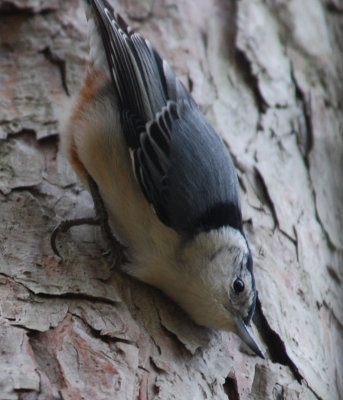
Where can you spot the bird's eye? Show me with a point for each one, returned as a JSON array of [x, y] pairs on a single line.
[[238, 285]]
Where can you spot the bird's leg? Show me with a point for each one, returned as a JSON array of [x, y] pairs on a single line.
[[115, 249]]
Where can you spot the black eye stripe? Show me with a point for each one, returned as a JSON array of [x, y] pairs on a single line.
[[252, 309]]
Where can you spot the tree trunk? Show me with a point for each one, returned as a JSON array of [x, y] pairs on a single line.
[[268, 75]]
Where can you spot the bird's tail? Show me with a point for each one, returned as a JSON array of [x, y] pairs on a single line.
[[143, 80]]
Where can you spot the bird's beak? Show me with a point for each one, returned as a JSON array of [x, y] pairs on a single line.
[[246, 334]]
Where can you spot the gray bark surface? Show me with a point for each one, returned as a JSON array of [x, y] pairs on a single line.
[[268, 75]]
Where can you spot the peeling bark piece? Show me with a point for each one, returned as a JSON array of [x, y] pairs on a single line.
[[276, 347], [18, 366], [29, 6], [176, 322], [270, 383], [23, 164], [326, 169], [31, 90], [289, 197], [83, 366], [110, 321], [23, 309], [258, 39]]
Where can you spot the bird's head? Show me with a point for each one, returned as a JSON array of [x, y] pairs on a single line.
[[220, 287]]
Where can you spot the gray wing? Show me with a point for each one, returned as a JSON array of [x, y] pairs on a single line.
[[180, 162]]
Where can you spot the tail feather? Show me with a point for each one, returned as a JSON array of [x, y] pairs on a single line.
[[143, 80], [97, 54]]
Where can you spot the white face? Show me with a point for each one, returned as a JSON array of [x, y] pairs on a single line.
[[220, 286]]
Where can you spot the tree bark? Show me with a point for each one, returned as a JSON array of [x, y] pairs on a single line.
[[268, 75]]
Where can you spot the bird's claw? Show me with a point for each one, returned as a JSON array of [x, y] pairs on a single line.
[[64, 226], [115, 253]]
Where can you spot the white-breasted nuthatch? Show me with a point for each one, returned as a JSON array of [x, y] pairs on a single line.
[[166, 179]]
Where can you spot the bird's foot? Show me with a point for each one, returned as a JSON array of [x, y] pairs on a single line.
[[64, 227], [115, 253]]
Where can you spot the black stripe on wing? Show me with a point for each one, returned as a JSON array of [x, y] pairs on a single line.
[[150, 157], [123, 66], [151, 72]]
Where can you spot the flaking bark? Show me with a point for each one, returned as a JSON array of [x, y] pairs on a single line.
[[268, 76]]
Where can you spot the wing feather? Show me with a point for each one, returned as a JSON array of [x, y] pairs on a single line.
[[181, 164]]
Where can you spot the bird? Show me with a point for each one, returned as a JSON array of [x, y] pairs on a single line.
[[161, 178]]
